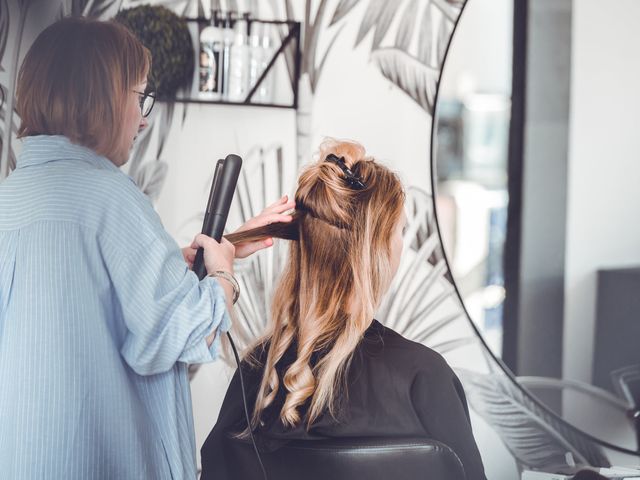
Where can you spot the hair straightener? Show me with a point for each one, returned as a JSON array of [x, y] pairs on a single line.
[[223, 186]]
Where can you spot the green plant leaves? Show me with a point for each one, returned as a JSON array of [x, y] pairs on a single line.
[[167, 37]]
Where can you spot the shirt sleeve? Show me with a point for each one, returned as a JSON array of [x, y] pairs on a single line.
[[441, 405], [168, 313]]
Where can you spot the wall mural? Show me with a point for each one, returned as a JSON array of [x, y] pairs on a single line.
[[402, 46]]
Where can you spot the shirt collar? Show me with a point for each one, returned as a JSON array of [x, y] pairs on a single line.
[[40, 149]]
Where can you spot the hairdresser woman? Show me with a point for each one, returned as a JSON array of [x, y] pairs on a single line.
[[99, 312]]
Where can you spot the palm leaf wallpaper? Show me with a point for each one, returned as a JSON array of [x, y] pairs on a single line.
[[532, 434], [405, 42]]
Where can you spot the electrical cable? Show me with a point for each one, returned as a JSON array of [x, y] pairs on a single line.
[[246, 410]]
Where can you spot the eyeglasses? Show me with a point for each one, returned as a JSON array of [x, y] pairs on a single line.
[[146, 102]]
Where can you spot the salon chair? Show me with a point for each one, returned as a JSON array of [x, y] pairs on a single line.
[[626, 382], [347, 459]]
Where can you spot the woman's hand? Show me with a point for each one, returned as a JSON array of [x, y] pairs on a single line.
[[272, 214], [217, 256]]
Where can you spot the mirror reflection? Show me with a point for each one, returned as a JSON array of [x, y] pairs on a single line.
[[539, 249], [470, 155]]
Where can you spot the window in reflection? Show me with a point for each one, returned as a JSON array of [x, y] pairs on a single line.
[[471, 150]]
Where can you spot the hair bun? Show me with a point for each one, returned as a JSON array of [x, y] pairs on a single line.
[[324, 189]]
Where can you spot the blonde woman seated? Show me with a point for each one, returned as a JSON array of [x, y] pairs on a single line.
[[326, 367]]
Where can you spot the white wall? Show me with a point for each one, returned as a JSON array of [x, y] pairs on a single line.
[[604, 169]]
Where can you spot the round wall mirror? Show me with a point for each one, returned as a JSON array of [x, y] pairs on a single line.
[[512, 167]]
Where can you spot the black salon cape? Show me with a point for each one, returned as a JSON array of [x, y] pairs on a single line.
[[396, 387]]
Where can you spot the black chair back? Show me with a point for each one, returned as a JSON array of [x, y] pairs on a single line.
[[347, 459]]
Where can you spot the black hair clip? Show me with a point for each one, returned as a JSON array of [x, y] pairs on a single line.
[[353, 180]]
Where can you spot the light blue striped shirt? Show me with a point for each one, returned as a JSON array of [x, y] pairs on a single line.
[[99, 317]]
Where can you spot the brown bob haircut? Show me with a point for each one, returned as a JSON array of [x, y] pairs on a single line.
[[75, 80]]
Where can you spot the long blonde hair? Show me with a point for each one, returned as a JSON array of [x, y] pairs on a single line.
[[337, 272]]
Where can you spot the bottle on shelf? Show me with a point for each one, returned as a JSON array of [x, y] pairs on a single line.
[[255, 56], [209, 60], [264, 51], [239, 62], [233, 52], [227, 42]]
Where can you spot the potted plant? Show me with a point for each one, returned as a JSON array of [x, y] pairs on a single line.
[[167, 36]]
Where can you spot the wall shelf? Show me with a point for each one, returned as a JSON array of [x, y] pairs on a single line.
[[291, 40]]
